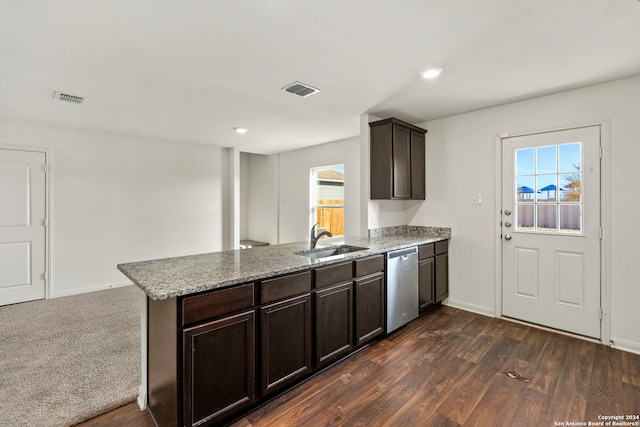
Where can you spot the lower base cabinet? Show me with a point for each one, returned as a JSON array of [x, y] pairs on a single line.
[[442, 276], [285, 342], [218, 383], [334, 320], [370, 307], [214, 355], [426, 282], [433, 273]]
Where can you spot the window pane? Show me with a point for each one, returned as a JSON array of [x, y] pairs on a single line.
[[547, 187], [569, 157], [525, 189], [571, 188], [524, 217], [328, 199], [546, 159], [330, 187], [570, 218], [524, 161], [330, 219], [547, 217]]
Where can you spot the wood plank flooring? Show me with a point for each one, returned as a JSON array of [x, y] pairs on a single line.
[[449, 368]]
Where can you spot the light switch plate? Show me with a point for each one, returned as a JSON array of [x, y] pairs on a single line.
[[476, 199]]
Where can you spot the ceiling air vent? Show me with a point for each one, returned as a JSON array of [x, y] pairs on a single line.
[[67, 97], [300, 89]]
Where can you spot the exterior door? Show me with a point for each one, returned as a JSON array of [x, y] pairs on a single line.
[[551, 229], [22, 226]]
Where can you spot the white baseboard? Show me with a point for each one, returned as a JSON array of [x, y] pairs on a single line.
[[78, 291], [485, 311], [142, 397], [630, 346]]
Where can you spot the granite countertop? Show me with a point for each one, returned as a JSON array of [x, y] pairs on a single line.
[[171, 277]]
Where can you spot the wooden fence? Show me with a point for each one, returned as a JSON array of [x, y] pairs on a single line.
[[331, 219]]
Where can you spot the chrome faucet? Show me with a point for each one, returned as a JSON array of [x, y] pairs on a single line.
[[313, 239]]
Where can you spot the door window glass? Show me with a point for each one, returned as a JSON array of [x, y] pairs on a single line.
[[548, 188]]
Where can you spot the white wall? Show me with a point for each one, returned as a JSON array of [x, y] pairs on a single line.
[[261, 174], [118, 198], [294, 172], [461, 161], [244, 195]]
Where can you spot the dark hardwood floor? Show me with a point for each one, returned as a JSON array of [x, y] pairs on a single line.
[[452, 368]]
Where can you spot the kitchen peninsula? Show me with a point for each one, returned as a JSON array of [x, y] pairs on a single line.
[[228, 330]]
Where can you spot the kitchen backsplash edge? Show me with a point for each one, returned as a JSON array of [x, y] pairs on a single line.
[[410, 230]]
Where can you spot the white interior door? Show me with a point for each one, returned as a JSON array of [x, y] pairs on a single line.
[[551, 229], [22, 226]]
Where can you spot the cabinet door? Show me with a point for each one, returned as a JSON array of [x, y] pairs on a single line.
[[219, 368], [369, 311], [426, 283], [334, 320], [417, 166], [442, 276], [401, 162], [285, 342]]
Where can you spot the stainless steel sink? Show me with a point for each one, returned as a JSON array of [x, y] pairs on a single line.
[[328, 251]]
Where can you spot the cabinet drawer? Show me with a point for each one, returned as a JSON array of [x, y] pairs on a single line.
[[426, 251], [333, 274], [286, 286], [216, 303], [362, 267], [442, 247]]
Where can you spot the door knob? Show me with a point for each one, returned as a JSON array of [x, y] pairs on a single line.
[[507, 212], [507, 237], [507, 224]]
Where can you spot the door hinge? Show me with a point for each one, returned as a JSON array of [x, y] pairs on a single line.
[[600, 233], [601, 151], [44, 276], [45, 222], [45, 169], [601, 314]]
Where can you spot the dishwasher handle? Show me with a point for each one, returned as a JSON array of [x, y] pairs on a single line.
[[402, 253]]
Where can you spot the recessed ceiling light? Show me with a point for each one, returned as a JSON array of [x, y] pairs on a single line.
[[431, 73], [241, 130]]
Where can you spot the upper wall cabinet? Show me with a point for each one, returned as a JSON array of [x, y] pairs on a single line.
[[397, 160]]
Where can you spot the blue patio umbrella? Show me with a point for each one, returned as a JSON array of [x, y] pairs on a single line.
[[523, 189], [548, 188]]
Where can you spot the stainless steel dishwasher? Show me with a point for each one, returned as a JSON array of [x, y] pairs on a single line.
[[402, 287]]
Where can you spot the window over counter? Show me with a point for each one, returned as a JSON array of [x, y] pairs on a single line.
[[327, 198]]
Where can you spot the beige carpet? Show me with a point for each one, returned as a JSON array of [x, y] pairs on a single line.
[[65, 360]]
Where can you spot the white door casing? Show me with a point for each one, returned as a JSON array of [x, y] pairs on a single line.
[[22, 226], [551, 239]]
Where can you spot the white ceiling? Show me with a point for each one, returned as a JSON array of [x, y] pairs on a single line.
[[192, 70]]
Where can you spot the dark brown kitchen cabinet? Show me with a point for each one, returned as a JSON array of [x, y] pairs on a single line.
[[426, 283], [433, 273], [285, 342], [442, 276], [370, 307], [333, 320], [397, 154], [218, 368], [441, 249], [217, 354]]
